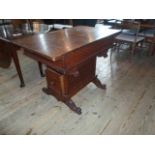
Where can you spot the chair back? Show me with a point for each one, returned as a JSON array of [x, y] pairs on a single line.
[[40, 27], [117, 24], [131, 28]]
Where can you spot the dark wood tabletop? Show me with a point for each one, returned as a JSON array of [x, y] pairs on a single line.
[[56, 44]]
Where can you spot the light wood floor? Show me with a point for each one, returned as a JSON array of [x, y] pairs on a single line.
[[126, 107]]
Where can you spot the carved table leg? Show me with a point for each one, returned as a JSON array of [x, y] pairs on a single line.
[[41, 69], [16, 61], [73, 106], [98, 83]]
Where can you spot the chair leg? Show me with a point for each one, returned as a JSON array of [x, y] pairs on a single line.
[[151, 49], [133, 49], [41, 69], [118, 46]]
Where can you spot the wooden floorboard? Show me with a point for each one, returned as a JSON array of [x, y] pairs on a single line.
[[126, 107]]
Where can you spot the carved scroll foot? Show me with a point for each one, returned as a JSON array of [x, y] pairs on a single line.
[[73, 107], [69, 102], [98, 84], [46, 91]]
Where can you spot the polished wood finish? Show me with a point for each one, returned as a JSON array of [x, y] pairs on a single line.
[[70, 58], [55, 45]]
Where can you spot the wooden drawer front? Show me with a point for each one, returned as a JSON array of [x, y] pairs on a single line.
[[81, 54], [55, 82], [86, 74]]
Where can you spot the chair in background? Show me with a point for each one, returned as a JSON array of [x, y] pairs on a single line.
[[149, 34], [117, 24], [152, 45], [129, 35], [58, 24], [84, 22]]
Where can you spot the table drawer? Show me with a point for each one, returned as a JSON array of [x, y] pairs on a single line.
[[55, 82], [66, 85]]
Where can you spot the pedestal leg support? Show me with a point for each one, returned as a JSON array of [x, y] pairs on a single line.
[[16, 61], [98, 83], [73, 106], [68, 102]]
